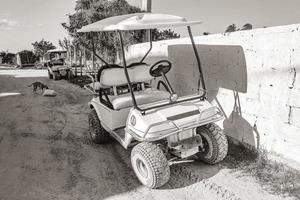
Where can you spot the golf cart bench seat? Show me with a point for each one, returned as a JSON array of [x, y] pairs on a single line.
[[138, 73], [146, 96], [115, 76]]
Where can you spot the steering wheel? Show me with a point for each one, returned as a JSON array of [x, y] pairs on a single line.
[[160, 67]]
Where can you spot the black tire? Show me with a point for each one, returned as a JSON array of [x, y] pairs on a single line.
[[97, 133], [150, 165], [215, 143], [55, 76], [69, 75], [50, 75]]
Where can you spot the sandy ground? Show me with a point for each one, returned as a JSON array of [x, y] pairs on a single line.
[[45, 153]]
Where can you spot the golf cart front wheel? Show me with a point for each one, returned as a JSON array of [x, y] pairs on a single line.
[[55, 76], [150, 165], [50, 75], [215, 144], [98, 134]]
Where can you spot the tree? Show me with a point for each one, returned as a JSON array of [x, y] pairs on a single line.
[[41, 47], [247, 26], [106, 43], [64, 43], [164, 34], [89, 11], [230, 28], [7, 58]]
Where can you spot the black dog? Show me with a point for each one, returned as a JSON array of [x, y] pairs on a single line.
[[37, 85]]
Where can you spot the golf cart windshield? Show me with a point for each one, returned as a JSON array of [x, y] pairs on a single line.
[[139, 21], [56, 54]]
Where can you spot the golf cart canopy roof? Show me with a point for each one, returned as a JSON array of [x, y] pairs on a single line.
[[56, 51], [137, 21]]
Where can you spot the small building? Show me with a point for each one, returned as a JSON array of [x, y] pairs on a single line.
[[25, 58]]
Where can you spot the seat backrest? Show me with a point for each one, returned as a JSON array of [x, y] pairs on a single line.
[[116, 76]]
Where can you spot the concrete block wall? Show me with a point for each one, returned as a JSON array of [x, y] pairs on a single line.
[[253, 74]]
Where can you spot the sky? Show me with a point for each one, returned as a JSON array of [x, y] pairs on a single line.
[[24, 21]]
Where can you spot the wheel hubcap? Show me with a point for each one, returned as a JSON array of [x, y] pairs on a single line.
[[207, 146], [142, 169]]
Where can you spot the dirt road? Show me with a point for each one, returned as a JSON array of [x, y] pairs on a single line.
[[45, 153]]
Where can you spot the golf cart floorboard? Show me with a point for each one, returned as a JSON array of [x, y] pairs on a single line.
[[120, 131], [121, 134]]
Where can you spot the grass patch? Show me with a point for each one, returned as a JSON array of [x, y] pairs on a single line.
[[80, 80], [274, 176]]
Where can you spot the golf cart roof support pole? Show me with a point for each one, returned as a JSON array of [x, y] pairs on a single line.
[[94, 50], [126, 71], [150, 40], [198, 61]]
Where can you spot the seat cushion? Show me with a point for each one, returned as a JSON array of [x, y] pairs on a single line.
[[142, 97], [96, 84], [116, 76]]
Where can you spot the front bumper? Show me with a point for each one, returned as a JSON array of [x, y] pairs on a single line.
[[158, 135]]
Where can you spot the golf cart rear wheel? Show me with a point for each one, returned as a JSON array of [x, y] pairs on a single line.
[[215, 144], [98, 134], [150, 165], [55, 76], [50, 75]]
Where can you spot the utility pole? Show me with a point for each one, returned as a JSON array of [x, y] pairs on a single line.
[[147, 6]]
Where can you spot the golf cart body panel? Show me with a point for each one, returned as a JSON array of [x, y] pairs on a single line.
[[112, 119], [126, 106], [155, 125], [167, 121]]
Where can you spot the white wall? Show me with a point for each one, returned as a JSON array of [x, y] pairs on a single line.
[[262, 64]]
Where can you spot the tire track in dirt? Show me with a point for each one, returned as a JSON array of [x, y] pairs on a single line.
[[65, 147], [72, 151], [57, 125], [71, 98], [218, 190], [122, 157], [13, 135]]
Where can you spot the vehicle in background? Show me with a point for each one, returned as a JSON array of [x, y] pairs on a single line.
[[57, 67]]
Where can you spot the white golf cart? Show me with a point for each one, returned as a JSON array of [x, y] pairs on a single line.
[[163, 129], [55, 62]]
